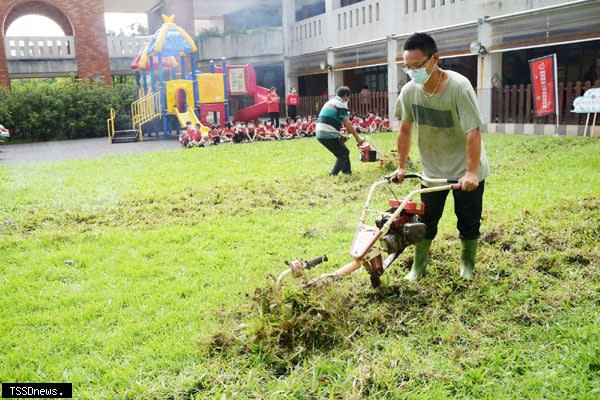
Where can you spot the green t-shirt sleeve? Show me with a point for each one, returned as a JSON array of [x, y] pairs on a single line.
[[467, 109], [403, 107], [342, 113]]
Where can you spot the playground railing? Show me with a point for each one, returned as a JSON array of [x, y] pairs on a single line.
[[145, 109], [110, 125]]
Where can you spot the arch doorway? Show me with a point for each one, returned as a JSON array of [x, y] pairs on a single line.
[[82, 21]]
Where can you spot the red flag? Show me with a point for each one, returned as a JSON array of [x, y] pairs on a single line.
[[544, 85]]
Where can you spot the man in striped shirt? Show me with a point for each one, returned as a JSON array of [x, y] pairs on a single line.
[[332, 117]]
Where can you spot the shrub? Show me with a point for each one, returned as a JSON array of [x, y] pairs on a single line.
[[49, 109]]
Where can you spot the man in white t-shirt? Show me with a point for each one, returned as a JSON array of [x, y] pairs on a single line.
[[443, 107]]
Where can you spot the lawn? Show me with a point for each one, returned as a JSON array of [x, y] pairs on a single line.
[[150, 276]]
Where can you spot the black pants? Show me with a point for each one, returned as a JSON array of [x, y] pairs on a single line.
[[292, 112], [467, 207], [341, 153], [274, 119]]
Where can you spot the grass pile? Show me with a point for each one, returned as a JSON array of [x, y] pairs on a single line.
[[152, 276]]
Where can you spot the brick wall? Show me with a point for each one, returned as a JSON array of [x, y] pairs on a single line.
[[83, 19]]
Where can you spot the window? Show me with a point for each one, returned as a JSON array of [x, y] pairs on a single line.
[[365, 15], [344, 3], [370, 13], [345, 20], [305, 11], [376, 11], [405, 6], [339, 22]]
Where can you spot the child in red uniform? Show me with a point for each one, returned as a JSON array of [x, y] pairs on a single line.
[[374, 126], [214, 134], [292, 101], [227, 133], [273, 106], [197, 138], [370, 118], [238, 133], [311, 127], [362, 125], [272, 131], [291, 129], [261, 132], [298, 123], [251, 131], [184, 138], [385, 125]]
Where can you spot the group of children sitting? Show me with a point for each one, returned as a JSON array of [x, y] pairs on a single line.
[[241, 132], [371, 123], [251, 131]]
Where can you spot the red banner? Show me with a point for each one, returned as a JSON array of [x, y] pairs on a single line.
[[544, 85]]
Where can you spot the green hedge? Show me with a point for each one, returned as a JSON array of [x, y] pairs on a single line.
[[51, 109]]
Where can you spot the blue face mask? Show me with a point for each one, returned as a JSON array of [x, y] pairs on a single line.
[[419, 75]]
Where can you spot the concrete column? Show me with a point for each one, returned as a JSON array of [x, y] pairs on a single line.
[[288, 19], [333, 78], [331, 4], [392, 68], [330, 21], [487, 66], [184, 14]]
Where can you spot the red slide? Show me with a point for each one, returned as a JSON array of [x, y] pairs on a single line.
[[259, 108]]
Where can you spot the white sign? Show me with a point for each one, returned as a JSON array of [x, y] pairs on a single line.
[[588, 103], [237, 80]]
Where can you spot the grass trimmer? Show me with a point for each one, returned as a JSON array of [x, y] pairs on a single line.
[[376, 247]]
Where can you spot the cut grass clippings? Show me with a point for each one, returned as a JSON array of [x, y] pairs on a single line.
[[151, 276]]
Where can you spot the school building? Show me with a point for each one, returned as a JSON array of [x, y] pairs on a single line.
[[359, 43], [322, 44]]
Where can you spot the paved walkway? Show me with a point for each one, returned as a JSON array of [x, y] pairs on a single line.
[[81, 149]]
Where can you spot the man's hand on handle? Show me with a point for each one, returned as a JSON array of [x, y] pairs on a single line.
[[399, 175], [469, 182]]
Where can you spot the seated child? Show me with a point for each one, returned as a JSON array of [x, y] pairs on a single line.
[[370, 118], [299, 131], [311, 126], [362, 125], [261, 132], [291, 129], [385, 125], [197, 138], [238, 133], [374, 126], [214, 134], [227, 133], [187, 135], [251, 131], [355, 121], [272, 131]]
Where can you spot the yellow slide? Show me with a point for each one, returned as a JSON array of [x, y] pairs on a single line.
[[190, 116]]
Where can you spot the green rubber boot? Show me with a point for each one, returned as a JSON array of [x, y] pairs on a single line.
[[420, 260], [467, 257]]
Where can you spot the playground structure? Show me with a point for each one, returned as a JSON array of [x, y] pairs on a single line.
[[169, 96]]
